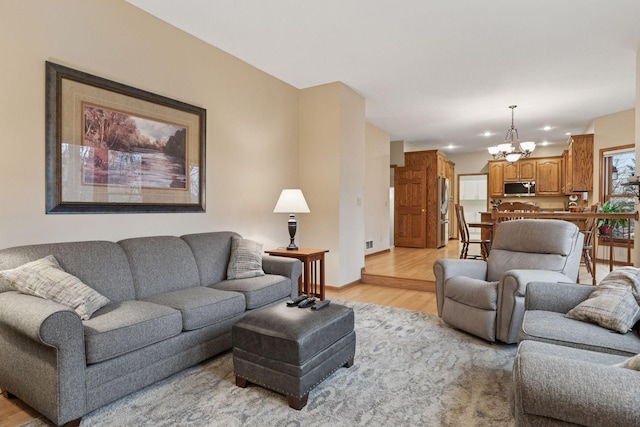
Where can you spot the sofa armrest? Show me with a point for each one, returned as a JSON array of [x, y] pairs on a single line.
[[511, 300], [574, 391], [443, 269], [557, 297], [43, 355], [287, 267]]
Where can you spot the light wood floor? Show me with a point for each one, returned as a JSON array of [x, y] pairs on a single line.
[[415, 265]]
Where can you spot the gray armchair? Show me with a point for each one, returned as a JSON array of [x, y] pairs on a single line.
[[486, 298]]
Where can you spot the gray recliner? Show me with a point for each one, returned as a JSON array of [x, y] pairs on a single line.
[[486, 298]]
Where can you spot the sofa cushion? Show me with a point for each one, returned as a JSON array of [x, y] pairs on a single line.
[[160, 264], [610, 305], [127, 326], [45, 278], [101, 265], [201, 306], [211, 252], [246, 259], [258, 291], [555, 328]]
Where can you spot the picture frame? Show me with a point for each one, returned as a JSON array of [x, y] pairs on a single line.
[[113, 148]]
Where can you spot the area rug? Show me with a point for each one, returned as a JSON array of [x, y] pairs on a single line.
[[410, 370]]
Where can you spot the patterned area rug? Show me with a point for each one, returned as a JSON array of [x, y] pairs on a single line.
[[410, 370]]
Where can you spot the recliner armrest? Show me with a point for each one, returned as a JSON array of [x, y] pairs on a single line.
[[556, 297], [443, 269]]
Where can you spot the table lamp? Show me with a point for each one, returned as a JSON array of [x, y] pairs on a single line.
[[291, 201]]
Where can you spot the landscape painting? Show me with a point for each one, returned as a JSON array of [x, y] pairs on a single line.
[[114, 148], [125, 150]]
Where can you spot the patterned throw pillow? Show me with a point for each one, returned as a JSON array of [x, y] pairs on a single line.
[[246, 259], [611, 305], [630, 363], [45, 278]]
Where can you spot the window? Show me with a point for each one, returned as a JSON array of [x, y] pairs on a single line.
[[618, 164]]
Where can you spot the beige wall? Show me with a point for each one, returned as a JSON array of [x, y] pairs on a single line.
[[612, 130], [377, 212], [332, 168], [252, 119]]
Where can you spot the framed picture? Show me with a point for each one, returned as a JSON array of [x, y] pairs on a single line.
[[112, 148]]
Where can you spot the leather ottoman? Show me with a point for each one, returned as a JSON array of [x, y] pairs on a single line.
[[291, 350]]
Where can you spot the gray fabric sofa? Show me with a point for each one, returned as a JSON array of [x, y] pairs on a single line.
[[171, 307], [563, 373]]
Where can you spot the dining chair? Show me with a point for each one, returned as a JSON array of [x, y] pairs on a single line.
[[515, 207], [465, 240]]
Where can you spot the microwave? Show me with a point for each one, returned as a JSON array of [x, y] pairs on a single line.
[[526, 188]]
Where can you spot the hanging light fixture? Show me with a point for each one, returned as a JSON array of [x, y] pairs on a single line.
[[511, 141]]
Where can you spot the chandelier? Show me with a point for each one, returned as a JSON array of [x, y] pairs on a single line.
[[511, 141]]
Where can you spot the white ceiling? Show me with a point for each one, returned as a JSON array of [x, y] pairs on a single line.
[[438, 72]]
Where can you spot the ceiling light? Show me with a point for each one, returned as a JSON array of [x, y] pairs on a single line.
[[511, 141], [546, 128], [487, 133]]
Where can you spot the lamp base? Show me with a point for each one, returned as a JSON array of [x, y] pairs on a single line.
[[292, 224]]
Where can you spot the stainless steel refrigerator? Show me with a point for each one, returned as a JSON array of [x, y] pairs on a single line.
[[442, 211]]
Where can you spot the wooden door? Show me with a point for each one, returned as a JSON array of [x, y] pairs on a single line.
[[410, 205]]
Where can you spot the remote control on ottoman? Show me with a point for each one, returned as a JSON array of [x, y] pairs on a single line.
[[291, 351]]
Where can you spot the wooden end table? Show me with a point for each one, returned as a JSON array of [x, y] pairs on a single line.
[[312, 266]]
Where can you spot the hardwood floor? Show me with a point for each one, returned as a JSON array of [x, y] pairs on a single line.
[[406, 274]]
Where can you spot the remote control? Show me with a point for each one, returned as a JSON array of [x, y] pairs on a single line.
[[297, 300], [321, 304], [307, 303]]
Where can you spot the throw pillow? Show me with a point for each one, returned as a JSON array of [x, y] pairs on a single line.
[[246, 259], [45, 278], [610, 305], [630, 363], [629, 276]]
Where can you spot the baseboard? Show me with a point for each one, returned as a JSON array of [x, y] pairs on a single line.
[[343, 288]]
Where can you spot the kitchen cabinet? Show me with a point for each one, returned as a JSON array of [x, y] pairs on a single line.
[[579, 164], [496, 178], [522, 170], [549, 176]]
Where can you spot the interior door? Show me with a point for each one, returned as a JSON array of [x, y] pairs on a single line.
[[410, 224]]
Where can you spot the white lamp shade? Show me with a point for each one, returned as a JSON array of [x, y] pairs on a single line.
[[291, 201], [493, 150], [505, 148], [512, 157], [528, 146]]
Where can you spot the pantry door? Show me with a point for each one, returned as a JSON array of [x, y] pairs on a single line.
[[410, 201]]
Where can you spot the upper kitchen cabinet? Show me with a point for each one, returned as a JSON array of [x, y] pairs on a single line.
[[549, 171], [496, 178], [579, 164], [522, 170]]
